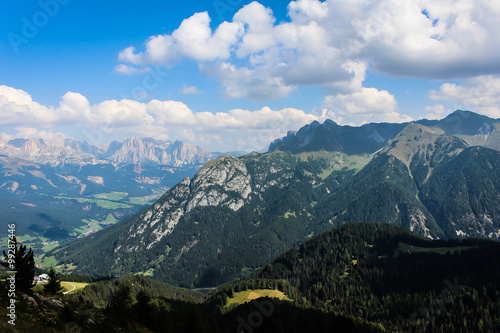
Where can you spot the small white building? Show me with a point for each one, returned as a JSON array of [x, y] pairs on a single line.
[[43, 278]]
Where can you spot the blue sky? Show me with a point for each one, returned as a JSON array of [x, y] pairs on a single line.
[[235, 75]]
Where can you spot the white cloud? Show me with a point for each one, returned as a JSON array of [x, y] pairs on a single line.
[[366, 105], [121, 114], [432, 39], [127, 69], [112, 119], [480, 94], [305, 10], [243, 82], [193, 39], [438, 111], [189, 90], [171, 113], [17, 107], [258, 23], [34, 133], [254, 56]]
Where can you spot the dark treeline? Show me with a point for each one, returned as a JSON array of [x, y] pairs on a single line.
[[359, 270], [357, 278]]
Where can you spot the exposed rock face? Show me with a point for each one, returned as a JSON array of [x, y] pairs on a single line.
[[224, 182], [60, 150], [137, 150], [63, 150]]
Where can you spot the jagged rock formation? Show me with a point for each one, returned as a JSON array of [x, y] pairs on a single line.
[[63, 150], [136, 150], [60, 150]]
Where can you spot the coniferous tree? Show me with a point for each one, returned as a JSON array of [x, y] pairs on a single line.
[[24, 265], [121, 300], [53, 286]]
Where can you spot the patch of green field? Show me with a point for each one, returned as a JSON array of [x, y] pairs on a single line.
[[406, 248], [290, 213], [337, 161], [147, 199], [63, 197], [47, 261], [140, 200], [26, 238], [4, 241], [100, 201], [71, 287], [90, 224], [113, 196], [48, 247], [111, 219], [105, 203], [251, 294], [157, 191], [38, 288], [66, 268], [149, 272], [245, 271]]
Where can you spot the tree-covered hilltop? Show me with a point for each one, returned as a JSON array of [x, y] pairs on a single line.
[[387, 275], [138, 304], [99, 293]]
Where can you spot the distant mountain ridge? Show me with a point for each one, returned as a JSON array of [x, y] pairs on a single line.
[[63, 150], [136, 150], [473, 128], [60, 150], [330, 136], [60, 189]]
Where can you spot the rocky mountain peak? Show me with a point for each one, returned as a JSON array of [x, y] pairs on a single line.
[[58, 140], [136, 150], [466, 123], [33, 144], [224, 182], [330, 136]]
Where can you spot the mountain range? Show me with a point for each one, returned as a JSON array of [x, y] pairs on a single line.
[[62, 189], [63, 150], [439, 179]]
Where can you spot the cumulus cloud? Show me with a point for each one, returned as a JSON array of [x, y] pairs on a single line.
[[258, 23], [332, 43], [111, 119], [480, 93], [438, 111], [193, 39], [305, 10], [366, 105], [127, 69], [17, 107], [243, 82], [253, 56], [189, 90], [35, 133]]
